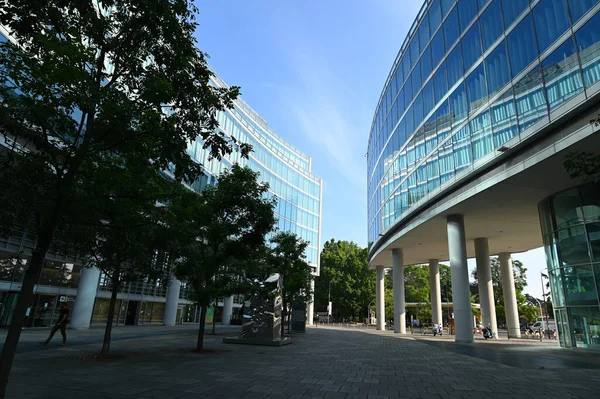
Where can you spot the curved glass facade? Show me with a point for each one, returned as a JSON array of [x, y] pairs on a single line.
[[464, 83], [287, 170], [571, 229]]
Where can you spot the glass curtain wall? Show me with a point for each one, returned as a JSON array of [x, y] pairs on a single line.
[[571, 230], [482, 85]]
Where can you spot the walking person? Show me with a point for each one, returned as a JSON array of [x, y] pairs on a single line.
[[61, 324], [316, 320]]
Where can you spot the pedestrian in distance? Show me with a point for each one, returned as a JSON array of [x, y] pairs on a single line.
[[317, 320], [61, 325]]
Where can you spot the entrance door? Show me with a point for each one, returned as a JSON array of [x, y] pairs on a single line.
[[132, 312]]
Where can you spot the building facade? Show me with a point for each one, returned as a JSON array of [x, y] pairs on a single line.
[[481, 105], [87, 291]]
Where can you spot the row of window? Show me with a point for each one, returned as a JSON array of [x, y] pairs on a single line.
[[560, 76], [548, 20]]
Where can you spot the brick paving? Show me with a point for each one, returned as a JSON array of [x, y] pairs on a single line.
[[323, 363]]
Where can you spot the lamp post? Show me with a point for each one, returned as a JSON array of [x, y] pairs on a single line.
[[329, 303], [545, 303], [541, 316]]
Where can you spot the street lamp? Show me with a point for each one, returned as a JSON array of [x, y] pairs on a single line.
[[545, 303], [329, 302], [541, 316]]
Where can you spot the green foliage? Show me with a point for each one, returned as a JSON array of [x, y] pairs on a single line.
[[584, 164], [219, 235], [529, 313], [345, 265], [289, 260], [520, 274], [90, 86]]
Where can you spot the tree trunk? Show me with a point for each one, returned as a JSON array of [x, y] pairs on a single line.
[[32, 274], [214, 323], [111, 312], [200, 343]]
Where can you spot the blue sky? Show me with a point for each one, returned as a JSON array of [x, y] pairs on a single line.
[[314, 71]]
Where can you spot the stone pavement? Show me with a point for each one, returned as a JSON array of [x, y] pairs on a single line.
[[323, 363]]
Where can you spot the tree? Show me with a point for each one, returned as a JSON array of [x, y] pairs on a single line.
[[218, 235], [288, 259], [127, 242], [520, 275], [344, 269], [90, 80], [584, 164]]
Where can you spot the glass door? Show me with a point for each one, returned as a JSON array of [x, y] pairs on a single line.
[[562, 324]]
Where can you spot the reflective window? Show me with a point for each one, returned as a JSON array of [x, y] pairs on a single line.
[[416, 79], [587, 38], [580, 7], [439, 82], [558, 296], [567, 208], [458, 104], [579, 286], [428, 99], [522, 52], [418, 110], [446, 161], [406, 65], [561, 74], [471, 46], [426, 63], [446, 5], [443, 121], [414, 49], [512, 9], [461, 142], [437, 48], [454, 66], [435, 15], [496, 65], [551, 21], [585, 324], [476, 88], [467, 9], [482, 3], [572, 246], [530, 99], [590, 199], [424, 31], [504, 119], [481, 135], [593, 232], [451, 29], [491, 24]]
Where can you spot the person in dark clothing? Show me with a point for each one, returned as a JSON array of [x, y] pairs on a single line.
[[61, 324]]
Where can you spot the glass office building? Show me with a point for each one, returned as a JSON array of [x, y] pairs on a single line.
[[470, 76], [288, 172], [571, 232]]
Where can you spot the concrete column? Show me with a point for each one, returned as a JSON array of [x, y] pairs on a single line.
[[380, 298], [170, 313], [399, 303], [486, 288], [435, 292], [510, 295], [310, 307], [227, 310], [86, 295], [461, 298]]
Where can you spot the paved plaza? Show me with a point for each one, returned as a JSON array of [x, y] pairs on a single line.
[[156, 362]]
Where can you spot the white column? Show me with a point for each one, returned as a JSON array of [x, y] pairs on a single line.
[[435, 292], [311, 305], [510, 295], [84, 301], [227, 310], [461, 297], [170, 313], [380, 298], [486, 288], [399, 302]]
